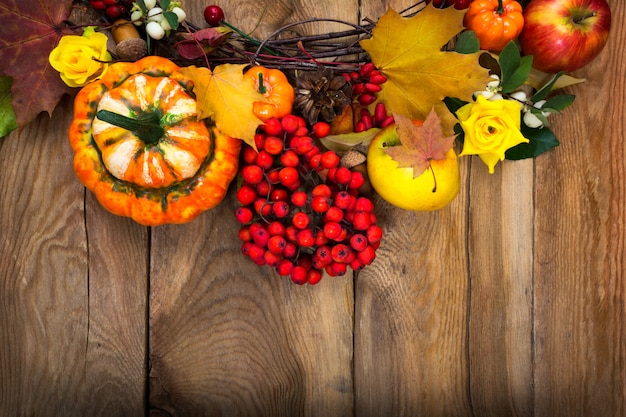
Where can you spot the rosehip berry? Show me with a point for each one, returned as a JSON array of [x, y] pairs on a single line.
[[366, 69], [252, 174], [366, 99], [214, 15]]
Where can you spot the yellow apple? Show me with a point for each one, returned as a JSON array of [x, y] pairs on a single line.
[[435, 188]]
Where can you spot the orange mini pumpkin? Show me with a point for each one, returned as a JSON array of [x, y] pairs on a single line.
[[141, 150]]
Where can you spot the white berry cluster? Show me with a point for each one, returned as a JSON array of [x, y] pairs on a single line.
[[533, 117], [160, 17]]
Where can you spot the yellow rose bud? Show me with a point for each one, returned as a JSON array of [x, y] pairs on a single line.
[[79, 58], [491, 127]]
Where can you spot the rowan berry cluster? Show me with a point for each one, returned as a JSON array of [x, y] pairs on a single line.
[[301, 211], [111, 8]]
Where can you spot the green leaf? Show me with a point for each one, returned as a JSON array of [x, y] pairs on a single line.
[[454, 104], [541, 140], [515, 68], [8, 122], [346, 141], [165, 4], [172, 19], [467, 43], [545, 90], [142, 6], [559, 103]]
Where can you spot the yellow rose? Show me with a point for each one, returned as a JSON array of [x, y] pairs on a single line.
[[491, 127], [77, 58]]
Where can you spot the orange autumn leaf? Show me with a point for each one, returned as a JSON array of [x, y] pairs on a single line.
[[419, 74], [420, 144], [227, 98]]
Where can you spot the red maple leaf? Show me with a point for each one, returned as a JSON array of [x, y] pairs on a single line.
[[420, 144], [29, 30]]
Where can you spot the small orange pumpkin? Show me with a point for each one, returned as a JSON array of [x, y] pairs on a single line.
[[141, 150]]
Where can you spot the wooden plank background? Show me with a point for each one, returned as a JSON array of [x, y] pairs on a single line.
[[509, 302]]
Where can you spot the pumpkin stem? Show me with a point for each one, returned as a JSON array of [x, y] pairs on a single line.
[[500, 9], [262, 88], [146, 126]]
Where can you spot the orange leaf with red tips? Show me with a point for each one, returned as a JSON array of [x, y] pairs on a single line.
[[420, 144]]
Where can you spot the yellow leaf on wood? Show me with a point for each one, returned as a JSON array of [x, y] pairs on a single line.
[[225, 96], [419, 74]]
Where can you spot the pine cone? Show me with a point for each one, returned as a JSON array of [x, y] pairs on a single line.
[[321, 95]]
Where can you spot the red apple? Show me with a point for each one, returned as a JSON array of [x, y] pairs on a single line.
[[564, 35]]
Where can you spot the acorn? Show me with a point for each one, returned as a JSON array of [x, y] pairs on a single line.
[[357, 161], [129, 44]]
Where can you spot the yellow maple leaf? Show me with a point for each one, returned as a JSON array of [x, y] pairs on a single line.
[[420, 75], [225, 96]]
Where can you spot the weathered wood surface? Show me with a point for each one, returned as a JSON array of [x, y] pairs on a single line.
[[509, 302]]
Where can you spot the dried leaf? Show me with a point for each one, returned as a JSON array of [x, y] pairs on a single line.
[[420, 144], [419, 74], [29, 30], [225, 96], [346, 141], [203, 42]]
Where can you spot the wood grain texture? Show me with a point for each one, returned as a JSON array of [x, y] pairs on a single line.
[[500, 248], [579, 318], [229, 338], [43, 264]]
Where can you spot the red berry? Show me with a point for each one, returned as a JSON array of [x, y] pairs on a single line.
[[252, 174], [336, 269], [290, 123], [356, 181], [279, 194], [367, 99], [343, 200], [276, 244], [272, 259], [299, 275], [302, 144], [276, 228], [284, 267], [244, 234], [374, 233], [361, 220], [280, 209], [262, 206], [260, 236], [98, 4], [321, 129], [319, 204], [110, 2], [115, 11], [289, 158], [364, 204], [290, 250], [320, 238], [249, 155], [358, 242], [246, 195], [299, 199], [343, 176], [332, 230], [244, 215], [313, 276], [305, 238], [214, 15], [301, 220], [366, 69], [367, 255], [273, 145], [322, 190], [378, 79], [330, 159], [262, 188], [264, 159], [259, 140], [273, 127], [288, 176], [333, 214]]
